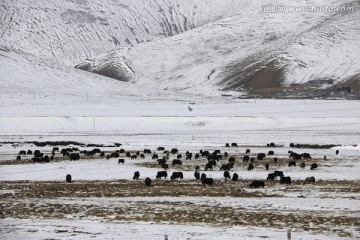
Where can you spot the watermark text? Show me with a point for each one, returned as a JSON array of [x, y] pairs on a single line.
[[273, 8]]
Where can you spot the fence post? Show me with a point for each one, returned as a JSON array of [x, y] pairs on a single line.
[[289, 234]]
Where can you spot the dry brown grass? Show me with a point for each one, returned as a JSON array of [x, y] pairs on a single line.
[[48, 200]]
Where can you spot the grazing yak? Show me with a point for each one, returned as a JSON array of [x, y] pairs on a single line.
[[68, 178], [235, 177], [313, 166], [176, 162], [197, 168], [257, 184], [306, 155], [161, 161], [22, 152], [136, 175], [161, 174], [39, 154], [227, 145], [147, 151], [189, 156], [207, 181], [278, 174], [203, 175], [18, 158], [209, 166], [292, 164], [121, 160], [226, 154], [52, 158], [102, 154], [197, 156], [285, 180], [56, 149], [276, 160], [247, 151], [225, 167], [246, 158], [234, 144], [142, 156], [260, 156], [176, 175], [74, 156], [250, 167], [302, 164], [174, 151], [115, 155], [179, 156], [147, 182], [155, 156], [45, 159], [160, 149], [309, 180], [134, 156], [122, 150], [29, 152], [89, 153], [197, 175], [212, 163], [337, 152], [97, 150], [128, 154], [231, 159], [226, 175], [204, 153], [271, 153], [271, 176]]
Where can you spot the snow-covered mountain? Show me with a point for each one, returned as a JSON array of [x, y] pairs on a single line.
[[254, 51], [193, 46], [72, 30]]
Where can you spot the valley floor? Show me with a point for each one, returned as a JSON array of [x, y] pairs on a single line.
[[103, 201]]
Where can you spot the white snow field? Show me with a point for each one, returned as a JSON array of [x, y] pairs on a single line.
[[68, 229]]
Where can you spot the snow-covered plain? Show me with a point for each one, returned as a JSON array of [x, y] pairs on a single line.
[[149, 123], [68, 229]]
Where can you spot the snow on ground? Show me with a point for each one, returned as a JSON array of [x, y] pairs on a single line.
[[67, 229]]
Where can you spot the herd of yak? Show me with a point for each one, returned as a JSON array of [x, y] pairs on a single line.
[[212, 158]]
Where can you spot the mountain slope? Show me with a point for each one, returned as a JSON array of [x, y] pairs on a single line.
[[188, 46], [71, 30], [254, 51]]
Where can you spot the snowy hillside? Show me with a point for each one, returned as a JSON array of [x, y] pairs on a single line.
[[69, 31], [183, 47], [256, 51]]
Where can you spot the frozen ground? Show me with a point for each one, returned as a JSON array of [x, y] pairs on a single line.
[[67, 229]]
